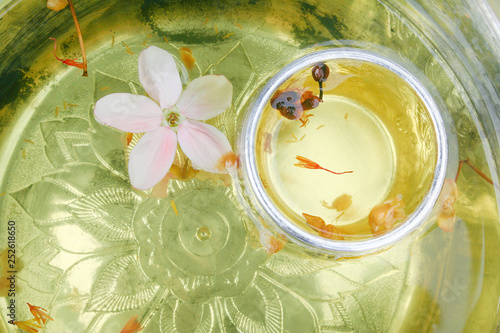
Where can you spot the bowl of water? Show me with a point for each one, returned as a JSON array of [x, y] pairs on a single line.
[[372, 118]]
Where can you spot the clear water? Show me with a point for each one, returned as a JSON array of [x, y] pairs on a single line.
[[370, 123]]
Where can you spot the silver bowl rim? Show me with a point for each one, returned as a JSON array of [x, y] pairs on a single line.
[[249, 166]]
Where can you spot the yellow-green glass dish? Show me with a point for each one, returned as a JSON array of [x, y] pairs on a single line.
[[95, 253]]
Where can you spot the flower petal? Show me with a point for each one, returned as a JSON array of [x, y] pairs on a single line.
[[159, 76], [152, 157], [203, 144], [206, 97], [129, 113]]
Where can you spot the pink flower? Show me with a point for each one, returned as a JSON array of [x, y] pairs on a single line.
[[171, 115]]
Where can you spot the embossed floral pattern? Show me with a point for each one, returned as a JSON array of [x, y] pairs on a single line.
[[199, 271], [202, 252]]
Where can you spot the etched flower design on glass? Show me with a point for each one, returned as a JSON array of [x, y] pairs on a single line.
[[189, 262]]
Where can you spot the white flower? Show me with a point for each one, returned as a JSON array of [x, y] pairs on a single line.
[[172, 114]]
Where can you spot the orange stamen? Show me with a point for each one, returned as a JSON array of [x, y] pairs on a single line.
[[476, 169], [308, 164], [305, 119], [174, 207], [132, 326], [69, 62], [129, 138], [39, 313], [29, 326], [479, 172], [80, 40], [127, 48]]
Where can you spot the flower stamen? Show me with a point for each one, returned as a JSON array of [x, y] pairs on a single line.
[[172, 117]]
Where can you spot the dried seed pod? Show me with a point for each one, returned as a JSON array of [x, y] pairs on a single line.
[[56, 5]]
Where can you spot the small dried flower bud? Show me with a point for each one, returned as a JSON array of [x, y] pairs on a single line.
[[342, 203], [315, 222], [229, 160], [271, 243], [383, 217], [320, 72], [288, 104], [329, 231], [57, 5]]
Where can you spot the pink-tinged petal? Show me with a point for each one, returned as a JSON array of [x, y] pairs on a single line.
[[152, 157], [203, 144], [129, 113], [206, 97], [159, 76]]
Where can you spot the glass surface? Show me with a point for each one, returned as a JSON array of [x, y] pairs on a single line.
[[94, 252]]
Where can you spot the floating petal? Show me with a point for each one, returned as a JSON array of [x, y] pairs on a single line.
[[128, 113], [152, 157], [203, 144], [159, 76], [206, 97]]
